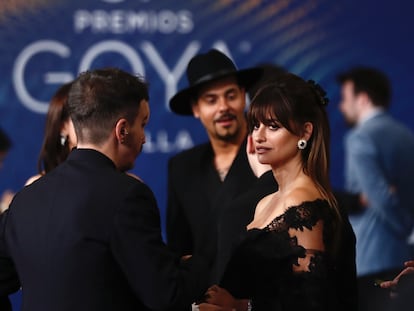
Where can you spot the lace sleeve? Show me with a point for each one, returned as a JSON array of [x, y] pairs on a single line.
[[309, 287]]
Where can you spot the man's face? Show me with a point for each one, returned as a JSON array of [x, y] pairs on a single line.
[[348, 104], [220, 108], [135, 138]]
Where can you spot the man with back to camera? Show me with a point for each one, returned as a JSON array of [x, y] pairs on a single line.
[[87, 236], [379, 165], [203, 181], [8, 281]]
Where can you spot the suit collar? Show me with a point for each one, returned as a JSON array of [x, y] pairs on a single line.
[[93, 157], [372, 115]]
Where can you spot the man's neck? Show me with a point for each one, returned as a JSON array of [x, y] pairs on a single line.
[[225, 152], [225, 147], [101, 148], [369, 113]]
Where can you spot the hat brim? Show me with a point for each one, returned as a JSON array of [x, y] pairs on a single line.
[[180, 103]]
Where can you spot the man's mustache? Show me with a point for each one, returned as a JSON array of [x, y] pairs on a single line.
[[225, 117]]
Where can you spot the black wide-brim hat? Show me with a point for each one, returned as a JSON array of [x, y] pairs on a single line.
[[208, 67]]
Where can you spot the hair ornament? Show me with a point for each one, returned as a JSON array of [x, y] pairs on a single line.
[[319, 91]]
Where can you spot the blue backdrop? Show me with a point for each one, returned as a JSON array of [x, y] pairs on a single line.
[[45, 43]]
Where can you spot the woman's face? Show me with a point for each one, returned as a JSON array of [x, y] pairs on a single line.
[[274, 144]]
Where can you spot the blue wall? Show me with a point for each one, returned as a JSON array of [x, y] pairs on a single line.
[[47, 43]]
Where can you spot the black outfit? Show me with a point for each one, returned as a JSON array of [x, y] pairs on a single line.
[[197, 197], [87, 237], [265, 267], [9, 281], [5, 304], [234, 219]]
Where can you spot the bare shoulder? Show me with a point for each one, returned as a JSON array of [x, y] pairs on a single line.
[[300, 195], [263, 203]]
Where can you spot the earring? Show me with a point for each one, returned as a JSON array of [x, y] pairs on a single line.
[[63, 139], [302, 144]]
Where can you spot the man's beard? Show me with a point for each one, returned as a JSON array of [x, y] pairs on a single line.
[[230, 133], [228, 137]]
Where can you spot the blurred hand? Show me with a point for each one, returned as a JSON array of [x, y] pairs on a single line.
[[211, 307], [221, 297], [393, 283], [186, 257], [258, 168]]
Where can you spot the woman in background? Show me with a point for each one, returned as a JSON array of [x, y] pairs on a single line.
[[60, 136]]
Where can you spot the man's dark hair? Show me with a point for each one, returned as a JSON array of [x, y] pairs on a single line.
[[99, 98], [271, 72], [370, 81], [5, 142]]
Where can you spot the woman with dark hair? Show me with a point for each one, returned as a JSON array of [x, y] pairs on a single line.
[[296, 253], [60, 136]]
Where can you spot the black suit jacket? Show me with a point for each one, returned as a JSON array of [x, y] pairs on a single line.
[[87, 237], [193, 209]]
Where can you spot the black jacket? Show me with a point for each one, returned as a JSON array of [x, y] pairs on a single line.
[[87, 237]]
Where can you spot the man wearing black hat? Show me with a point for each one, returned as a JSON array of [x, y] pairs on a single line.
[[203, 181]]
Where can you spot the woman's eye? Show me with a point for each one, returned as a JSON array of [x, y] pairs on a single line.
[[274, 126]]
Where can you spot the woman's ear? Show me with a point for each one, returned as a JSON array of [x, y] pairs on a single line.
[[307, 130]]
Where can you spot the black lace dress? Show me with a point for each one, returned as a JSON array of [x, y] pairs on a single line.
[[272, 268]]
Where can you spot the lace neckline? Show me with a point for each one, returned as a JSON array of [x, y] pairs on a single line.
[[289, 210]]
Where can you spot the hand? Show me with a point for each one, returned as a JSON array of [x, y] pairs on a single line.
[[186, 257], [258, 168], [393, 283], [210, 307], [221, 297]]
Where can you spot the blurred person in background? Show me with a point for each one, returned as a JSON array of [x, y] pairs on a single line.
[[59, 136], [379, 165]]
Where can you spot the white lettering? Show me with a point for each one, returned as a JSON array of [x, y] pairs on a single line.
[[112, 46], [82, 20], [19, 69], [185, 22], [124, 21], [170, 78], [167, 21], [162, 143]]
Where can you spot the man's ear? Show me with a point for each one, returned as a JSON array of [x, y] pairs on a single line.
[[362, 99], [196, 109], [307, 130], [121, 130]]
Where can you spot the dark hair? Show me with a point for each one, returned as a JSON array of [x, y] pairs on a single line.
[[100, 97], [52, 153], [270, 72], [5, 142], [292, 102], [370, 81]]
